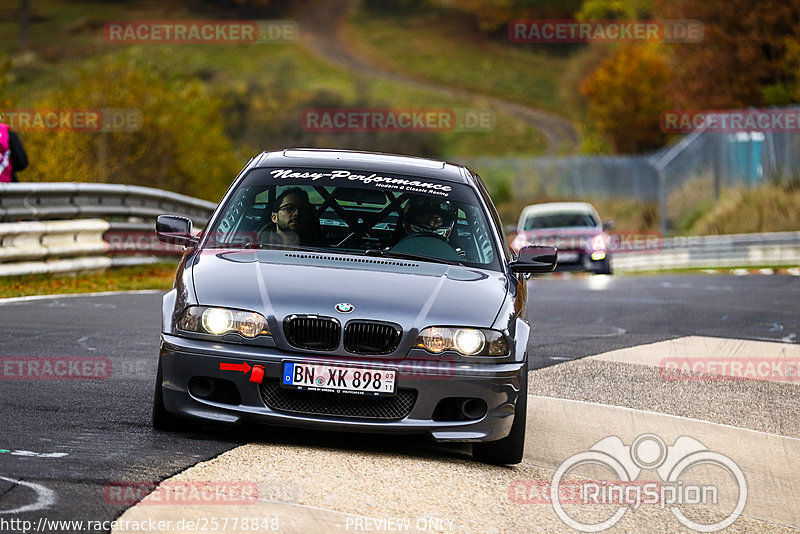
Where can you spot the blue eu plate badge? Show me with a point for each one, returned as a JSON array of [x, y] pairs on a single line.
[[288, 372]]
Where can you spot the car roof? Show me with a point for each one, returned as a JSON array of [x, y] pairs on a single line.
[[365, 161], [560, 207], [556, 207]]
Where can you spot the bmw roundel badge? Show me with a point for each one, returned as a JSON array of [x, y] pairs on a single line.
[[344, 307]]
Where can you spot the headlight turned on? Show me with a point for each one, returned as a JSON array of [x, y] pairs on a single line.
[[599, 242], [465, 341], [220, 321]]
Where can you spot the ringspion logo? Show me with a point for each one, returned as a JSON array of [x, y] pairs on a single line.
[[676, 489], [585, 491]]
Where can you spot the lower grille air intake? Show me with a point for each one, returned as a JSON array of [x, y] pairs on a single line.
[[338, 404]]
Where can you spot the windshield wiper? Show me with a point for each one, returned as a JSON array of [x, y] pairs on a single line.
[[408, 256], [368, 252], [281, 246], [260, 246]]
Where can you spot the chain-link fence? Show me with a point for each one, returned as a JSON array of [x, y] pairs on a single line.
[[681, 178]]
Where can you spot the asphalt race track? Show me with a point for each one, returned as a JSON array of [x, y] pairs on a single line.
[[102, 425], [64, 441]]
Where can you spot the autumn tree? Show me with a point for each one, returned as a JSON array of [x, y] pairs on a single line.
[[626, 97], [787, 91], [743, 51], [181, 145], [24, 16]]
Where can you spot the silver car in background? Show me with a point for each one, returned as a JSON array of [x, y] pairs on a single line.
[[574, 228]]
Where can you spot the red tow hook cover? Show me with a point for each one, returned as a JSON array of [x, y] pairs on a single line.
[[257, 374]]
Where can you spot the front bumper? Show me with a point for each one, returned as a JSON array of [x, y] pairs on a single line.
[[183, 359], [584, 262]]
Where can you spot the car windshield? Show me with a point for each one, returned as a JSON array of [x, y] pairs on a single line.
[[560, 220], [354, 212]]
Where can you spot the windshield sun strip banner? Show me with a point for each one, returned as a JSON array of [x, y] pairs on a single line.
[[361, 179]]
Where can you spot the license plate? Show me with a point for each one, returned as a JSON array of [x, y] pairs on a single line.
[[338, 379], [566, 257]]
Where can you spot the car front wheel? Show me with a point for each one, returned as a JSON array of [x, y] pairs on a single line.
[[162, 419], [509, 449], [605, 267]]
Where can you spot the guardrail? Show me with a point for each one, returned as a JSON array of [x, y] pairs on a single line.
[[699, 252], [51, 239], [54, 246], [102, 213], [59, 200], [31, 242]]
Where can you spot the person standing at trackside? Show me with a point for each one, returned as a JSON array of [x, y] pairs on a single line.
[[12, 155]]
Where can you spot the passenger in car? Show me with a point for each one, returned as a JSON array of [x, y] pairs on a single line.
[[428, 215], [293, 221]]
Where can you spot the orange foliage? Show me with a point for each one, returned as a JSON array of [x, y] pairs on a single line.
[[743, 51], [626, 96]]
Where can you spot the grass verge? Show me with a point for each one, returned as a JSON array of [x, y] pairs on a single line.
[[156, 276], [441, 47], [767, 208]]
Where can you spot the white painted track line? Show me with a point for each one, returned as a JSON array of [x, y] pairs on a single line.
[[30, 298]]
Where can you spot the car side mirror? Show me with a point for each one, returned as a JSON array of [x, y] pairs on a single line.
[[175, 230], [535, 259], [608, 225]]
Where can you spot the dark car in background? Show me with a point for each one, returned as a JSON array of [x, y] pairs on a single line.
[[400, 311], [574, 228]]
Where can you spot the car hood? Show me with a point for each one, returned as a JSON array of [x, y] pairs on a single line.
[[561, 238], [411, 293], [544, 232]]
